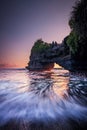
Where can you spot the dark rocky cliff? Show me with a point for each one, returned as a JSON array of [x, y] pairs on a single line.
[[55, 53], [44, 58], [72, 52]]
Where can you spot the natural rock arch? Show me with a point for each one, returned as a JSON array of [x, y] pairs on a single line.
[[43, 55]]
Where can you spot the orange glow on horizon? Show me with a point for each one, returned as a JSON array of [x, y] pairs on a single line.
[[22, 64]]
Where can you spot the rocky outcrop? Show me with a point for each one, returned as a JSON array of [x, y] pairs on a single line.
[[39, 62], [44, 60], [72, 52]]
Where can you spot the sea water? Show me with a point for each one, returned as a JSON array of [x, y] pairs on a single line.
[[42, 100]]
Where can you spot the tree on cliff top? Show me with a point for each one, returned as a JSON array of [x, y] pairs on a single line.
[[40, 46], [78, 20], [78, 23]]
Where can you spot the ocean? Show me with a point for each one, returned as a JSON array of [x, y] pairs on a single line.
[[44, 100]]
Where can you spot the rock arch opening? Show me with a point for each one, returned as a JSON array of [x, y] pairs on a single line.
[[57, 66]]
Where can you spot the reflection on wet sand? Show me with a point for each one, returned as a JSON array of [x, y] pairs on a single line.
[[52, 100]]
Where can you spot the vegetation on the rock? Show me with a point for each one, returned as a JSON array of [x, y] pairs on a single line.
[[79, 18], [72, 42], [78, 37], [40, 46]]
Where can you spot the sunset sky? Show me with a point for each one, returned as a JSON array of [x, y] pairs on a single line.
[[24, 21]]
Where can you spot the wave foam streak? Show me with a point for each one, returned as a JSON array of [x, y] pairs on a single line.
[[43, 100]]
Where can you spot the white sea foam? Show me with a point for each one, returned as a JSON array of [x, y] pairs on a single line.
[[42, 96]]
